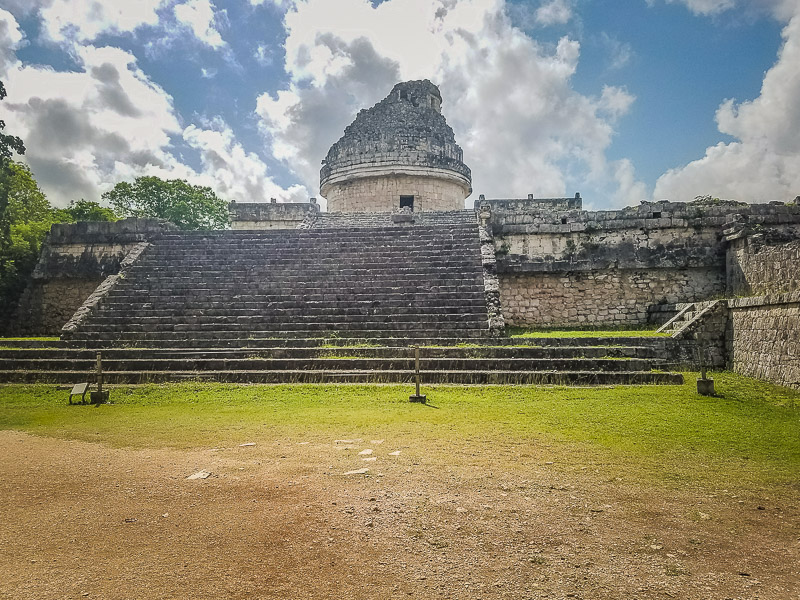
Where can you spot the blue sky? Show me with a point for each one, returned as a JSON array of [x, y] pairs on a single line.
[[622, 101]]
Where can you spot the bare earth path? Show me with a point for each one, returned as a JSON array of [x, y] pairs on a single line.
[[281, 520]]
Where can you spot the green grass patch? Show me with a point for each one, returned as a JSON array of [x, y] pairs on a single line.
[[528, 332], [3, 340], [666, 433]]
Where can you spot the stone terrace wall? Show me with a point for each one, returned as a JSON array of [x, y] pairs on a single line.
[[765, 340], [763, 264], [570, 267], [574, 267], [270, 215], [75, 258], [604, 297]]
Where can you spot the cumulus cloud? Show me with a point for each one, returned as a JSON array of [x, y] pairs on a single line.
[[85, 130], [70, 21], [508, 98], [232, 171], [200, 17], [554, 12], [11, 38], [764, 161]]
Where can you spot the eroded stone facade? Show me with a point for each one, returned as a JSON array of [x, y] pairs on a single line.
[[378, 194], [75, 259], [399, 153], [765, 337], [601, 298]]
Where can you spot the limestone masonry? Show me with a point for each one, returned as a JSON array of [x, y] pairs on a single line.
[[399, 153], [396, 257]]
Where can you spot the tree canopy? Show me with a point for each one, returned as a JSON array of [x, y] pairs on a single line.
[[85, 210], [9, 144], [188, 206]]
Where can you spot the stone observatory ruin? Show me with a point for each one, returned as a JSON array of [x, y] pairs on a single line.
[[401, 153], [397, 262]]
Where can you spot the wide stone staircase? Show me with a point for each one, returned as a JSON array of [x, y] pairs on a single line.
[[344, 304], [232, 287]]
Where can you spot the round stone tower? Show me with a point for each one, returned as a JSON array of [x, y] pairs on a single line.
[[399, 153]]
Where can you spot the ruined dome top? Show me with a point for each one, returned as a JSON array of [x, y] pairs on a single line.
[[403, 133]]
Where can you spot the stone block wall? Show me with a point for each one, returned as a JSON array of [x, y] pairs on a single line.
[[270, 215], [49, 304], [382, 194], [765, 337], [575, 267], [75, 259], [764, 264], [603, 297]]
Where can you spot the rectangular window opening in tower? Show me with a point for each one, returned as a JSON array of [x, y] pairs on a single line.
[[407, 202]]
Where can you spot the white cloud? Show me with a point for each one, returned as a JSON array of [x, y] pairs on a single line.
[[764, 163], [71, 21], [200, 17], [554, 12], [619, 53], [233, 172], [86, 130], [509, 99], [11, 38], [780, 9]]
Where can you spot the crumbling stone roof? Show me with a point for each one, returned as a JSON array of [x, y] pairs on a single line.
[[406, 128]]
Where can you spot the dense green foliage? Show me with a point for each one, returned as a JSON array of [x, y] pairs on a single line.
[[188, 206], [85, 210], [750, 434]]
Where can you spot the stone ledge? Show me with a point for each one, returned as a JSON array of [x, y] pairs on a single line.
[[772, 299]]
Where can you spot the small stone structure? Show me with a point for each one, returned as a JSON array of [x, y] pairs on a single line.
[[270, 215], [75, 259], [399, 153]]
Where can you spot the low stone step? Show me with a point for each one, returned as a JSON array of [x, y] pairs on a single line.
[[147, 311], [327, 364], [303, 376], [241, 338], [376, 317], [305, 352]]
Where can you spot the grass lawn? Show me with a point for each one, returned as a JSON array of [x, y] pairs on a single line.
[[527, 332], [750, 434]]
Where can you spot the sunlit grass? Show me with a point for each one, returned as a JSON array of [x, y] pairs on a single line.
[[669, 433]]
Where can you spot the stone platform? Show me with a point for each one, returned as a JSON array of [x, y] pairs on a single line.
[[560, 361]]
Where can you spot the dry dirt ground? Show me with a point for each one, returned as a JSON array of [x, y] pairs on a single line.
[[279, 519]]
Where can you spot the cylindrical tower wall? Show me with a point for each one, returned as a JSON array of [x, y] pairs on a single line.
[[383, 194], [401, 153]]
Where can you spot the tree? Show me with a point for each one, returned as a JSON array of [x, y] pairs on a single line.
[[85, 210], [26, 202], [188, 206], [9, 144]]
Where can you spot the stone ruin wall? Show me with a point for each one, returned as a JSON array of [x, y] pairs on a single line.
[[765, 263], [379, 194], [608, 297], [609, 268], [257, 216], [75, 259], [764, 278], [765, 337]]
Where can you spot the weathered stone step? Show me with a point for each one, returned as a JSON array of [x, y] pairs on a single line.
[[534, 352], [373, 334], [225, 309], [301, 376], [328, 364], [376, 317]]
